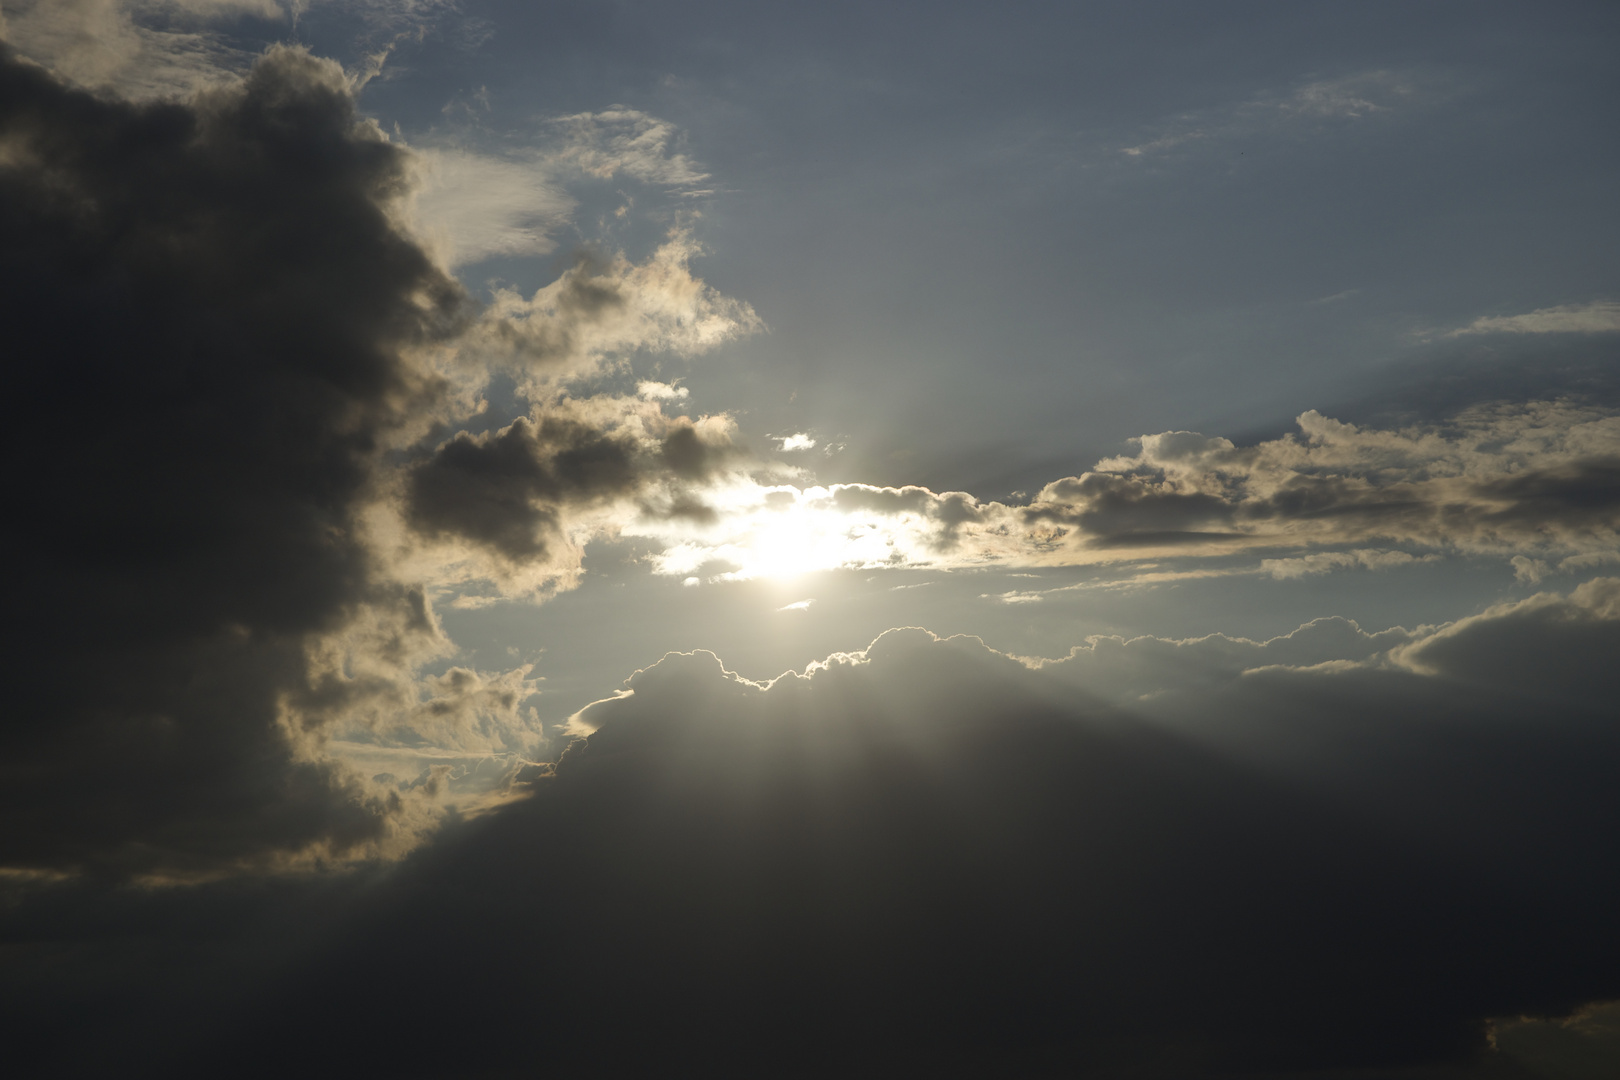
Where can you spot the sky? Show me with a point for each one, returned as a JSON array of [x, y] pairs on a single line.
[[839, 539]]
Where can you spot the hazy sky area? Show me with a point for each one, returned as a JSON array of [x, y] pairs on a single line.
[[825, 539]]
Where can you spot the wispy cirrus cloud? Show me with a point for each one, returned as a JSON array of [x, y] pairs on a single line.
[[470, 204], [1345, 99]]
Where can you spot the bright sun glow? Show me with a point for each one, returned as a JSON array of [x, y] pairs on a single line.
[[779, 533]]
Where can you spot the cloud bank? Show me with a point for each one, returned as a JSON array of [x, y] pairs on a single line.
[[1334, 850]]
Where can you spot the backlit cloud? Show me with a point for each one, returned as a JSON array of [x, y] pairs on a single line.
[[1504, 479], [268, 347], [1034, 869]]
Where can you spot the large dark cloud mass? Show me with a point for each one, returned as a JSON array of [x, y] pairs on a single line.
[[209, 313], [929, 858], [229, 351]]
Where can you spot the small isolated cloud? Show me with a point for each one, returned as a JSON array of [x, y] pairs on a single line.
[[797, 605], [1598, 317], [1354, 96], [657, 391], [1335, 297], [1528, 571], [799, 441]]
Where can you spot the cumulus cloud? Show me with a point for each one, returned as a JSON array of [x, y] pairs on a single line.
[[605, 309], [1536, 480], [1314, 850], [657, 391], [240, 527], [256, 340]]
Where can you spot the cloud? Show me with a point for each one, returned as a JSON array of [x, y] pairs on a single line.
[[193, 530], [620, 141], [1312, 106], [1331, 859], [604, 309], [1531, 479], [1597, 317], [797, 441], [1327, 561], [1584, 1045], [228, 498], [146, 49], [170, 49], [657, 391], [515, 506], [470, 206], [1547, 641]]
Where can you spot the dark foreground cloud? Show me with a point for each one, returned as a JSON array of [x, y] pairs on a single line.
[[232, 358], [210, 317], [928, 857]]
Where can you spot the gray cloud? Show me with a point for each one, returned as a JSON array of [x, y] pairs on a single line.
[[1308, 852], [236, 346], [1599, 316], [215, 321], [505, 490], [1537, 479]]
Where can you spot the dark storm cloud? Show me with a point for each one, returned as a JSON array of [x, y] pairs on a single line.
[[228, 345], [209, 314], [928, 858], [505, 490], [512, 492]]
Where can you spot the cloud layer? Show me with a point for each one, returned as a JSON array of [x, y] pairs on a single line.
[[1332, 850], [1506, 479]]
